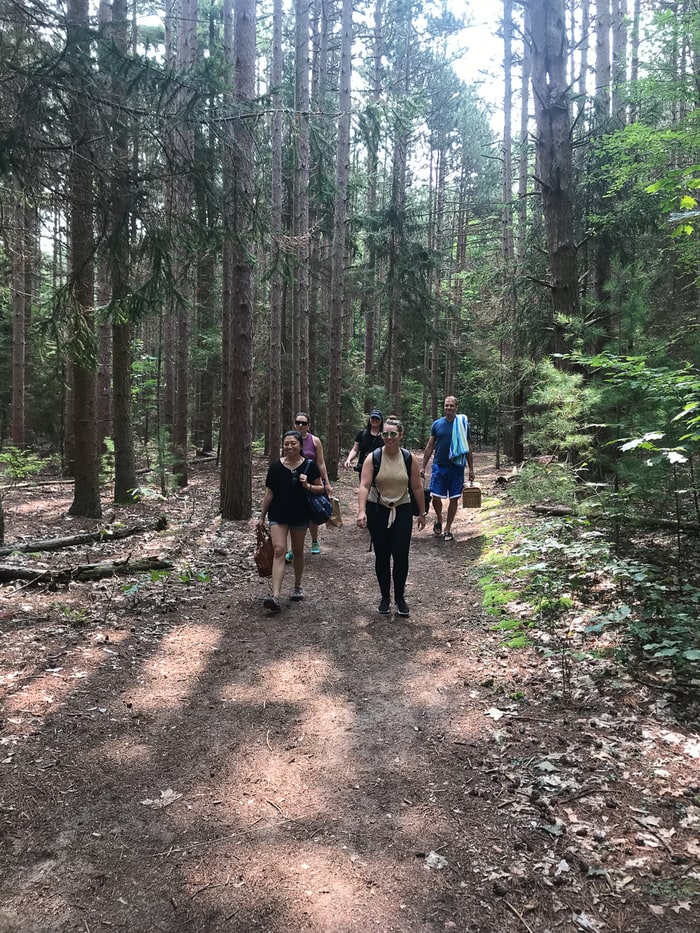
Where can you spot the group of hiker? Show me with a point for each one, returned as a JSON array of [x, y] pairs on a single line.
[[391, 494]]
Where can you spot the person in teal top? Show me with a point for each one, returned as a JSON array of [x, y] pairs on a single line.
[[449, 443]]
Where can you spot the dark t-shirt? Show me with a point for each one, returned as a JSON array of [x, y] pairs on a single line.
[[289, 505], [367, 443]]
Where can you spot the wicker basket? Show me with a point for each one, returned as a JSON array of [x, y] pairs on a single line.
[[471, 496]]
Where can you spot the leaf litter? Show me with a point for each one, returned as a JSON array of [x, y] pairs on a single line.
[[570, 814]]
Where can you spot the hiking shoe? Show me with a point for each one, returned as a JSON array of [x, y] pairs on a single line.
[[402, 606], [271, 603], [297, 594], [449, 536], [437, 529], [289, 557], [315, 547], [384, 606]]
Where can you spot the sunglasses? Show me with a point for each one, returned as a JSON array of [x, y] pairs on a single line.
[[390, 433], [302, 423]]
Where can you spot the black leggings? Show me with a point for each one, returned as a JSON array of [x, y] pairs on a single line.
[[390, 542]]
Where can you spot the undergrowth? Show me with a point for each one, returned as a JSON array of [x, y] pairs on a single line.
[[571, 589]]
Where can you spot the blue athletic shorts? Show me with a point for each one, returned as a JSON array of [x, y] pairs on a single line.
[[447, 482]]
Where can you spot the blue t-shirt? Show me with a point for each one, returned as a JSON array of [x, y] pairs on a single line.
[[441, 430]]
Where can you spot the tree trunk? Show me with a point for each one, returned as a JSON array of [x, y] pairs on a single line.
[[183, 267], [524, 154], [583, 73], [619, 62], [86, 537], [83, 572], [19, 324], [274, 431], [124, 460], [236, 432], [86, 499], [603, 70], [634, 66], [554, 160], [301, 296], [402, 123], [332, 451]]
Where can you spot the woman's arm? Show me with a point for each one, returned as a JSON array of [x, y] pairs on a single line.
[[427, 452], [312, 479], [267, 500], [321, 463], [351, 456], [417, 490], [366, 478]]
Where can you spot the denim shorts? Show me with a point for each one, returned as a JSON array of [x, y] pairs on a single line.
[[305, 524]]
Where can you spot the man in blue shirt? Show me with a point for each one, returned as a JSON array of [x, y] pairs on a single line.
[[449, 440]]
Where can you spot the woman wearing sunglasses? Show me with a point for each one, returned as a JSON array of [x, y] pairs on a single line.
[[384, 507], [288, 509], [312, 449]]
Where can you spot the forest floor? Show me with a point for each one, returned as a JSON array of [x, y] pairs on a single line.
[[174, 758]]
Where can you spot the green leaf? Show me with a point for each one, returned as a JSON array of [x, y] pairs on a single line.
[[521, 641]]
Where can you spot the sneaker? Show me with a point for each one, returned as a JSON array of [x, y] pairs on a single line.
[[449, 536], [402, 606], [289, 557], [315, 547], [384, 606], [272, 603], [297, 594], [437, 529]]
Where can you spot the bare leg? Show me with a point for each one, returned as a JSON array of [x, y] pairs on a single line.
[[451, 512], [279, 540], [437, 505], [297, 535], [313, 529]]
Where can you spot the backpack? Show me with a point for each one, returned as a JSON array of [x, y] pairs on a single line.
[[407, 459], [320, 506]]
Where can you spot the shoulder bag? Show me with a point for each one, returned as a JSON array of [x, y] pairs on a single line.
[[320, 506], [264, 552]]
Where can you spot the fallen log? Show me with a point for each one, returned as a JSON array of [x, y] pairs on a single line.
[[105, 534], [81, 573], [552, 510]]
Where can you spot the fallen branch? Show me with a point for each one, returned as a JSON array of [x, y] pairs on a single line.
[[518, 915], [82, 572], [86, 537]]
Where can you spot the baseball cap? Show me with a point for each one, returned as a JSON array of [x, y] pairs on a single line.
[[375, 413]]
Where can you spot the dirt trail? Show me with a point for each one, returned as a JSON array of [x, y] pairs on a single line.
[[178, 760]]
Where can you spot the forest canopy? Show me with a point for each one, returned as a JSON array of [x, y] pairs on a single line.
[[214, 216]]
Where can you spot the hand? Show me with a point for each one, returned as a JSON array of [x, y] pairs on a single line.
[[421, 522], [422, 472], [471, 476], [329, 489], [361, 519], [303, 479]]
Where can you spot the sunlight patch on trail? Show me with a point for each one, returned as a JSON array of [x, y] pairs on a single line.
[[174, 671]]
